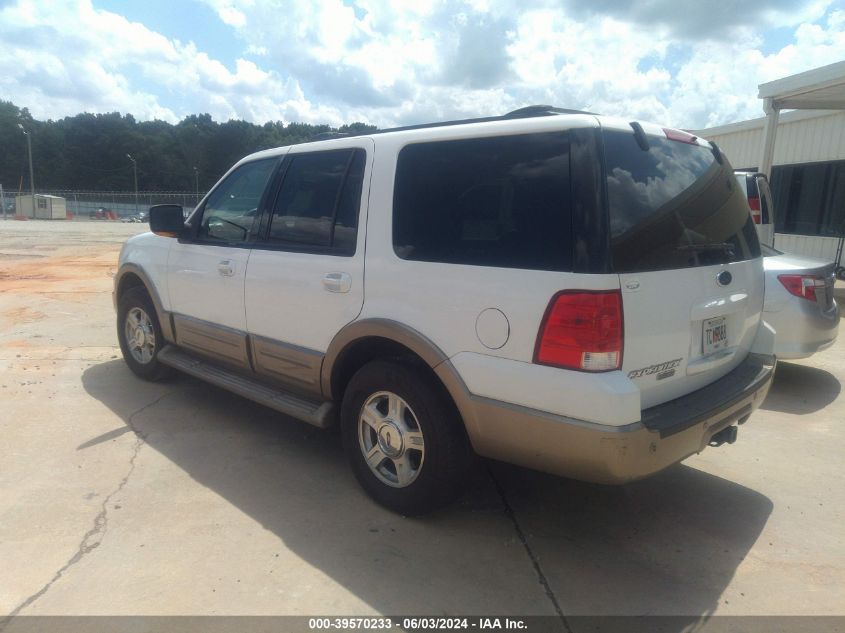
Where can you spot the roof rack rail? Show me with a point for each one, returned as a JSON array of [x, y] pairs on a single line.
[[540, 110], [521, 113], [327, 136]]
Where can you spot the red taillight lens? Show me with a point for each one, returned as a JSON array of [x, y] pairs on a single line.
[[803, 286], [754, 204], [582, 330]]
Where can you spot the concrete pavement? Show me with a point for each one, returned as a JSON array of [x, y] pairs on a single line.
[[124, 497]]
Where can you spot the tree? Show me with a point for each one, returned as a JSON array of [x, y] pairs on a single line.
[[88, 151]]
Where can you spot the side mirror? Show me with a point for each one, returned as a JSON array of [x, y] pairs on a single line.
[[167, 220]]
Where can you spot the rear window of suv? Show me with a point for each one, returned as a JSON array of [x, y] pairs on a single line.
[[499, 201], [673, 206]]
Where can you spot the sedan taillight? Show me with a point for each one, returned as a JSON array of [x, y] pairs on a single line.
[[803, 286]]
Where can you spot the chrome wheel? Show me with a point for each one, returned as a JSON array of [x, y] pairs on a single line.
[[391, 439], [139, 335]]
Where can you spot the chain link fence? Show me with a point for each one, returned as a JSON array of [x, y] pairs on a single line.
[[98, 205]]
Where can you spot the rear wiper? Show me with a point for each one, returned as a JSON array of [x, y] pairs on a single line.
[[711, 246]]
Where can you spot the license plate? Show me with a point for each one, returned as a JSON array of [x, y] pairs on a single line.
[[714, 335]]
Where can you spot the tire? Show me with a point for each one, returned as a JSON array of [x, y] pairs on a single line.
[[406, 422], [142, 359]]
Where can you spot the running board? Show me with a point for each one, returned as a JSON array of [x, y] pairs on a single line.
[[318, 413]]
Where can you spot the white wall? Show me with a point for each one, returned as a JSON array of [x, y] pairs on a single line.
[[803, 137], [809, 245]]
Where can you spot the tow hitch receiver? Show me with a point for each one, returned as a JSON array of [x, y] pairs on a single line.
[[726, 435]]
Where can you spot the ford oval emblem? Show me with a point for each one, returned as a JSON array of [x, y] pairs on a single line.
[[724, 278]]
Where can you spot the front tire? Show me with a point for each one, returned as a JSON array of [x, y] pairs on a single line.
[[403, 437], [140, 336]]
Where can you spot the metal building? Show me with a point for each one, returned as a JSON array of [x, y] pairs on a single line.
[[803, 151]]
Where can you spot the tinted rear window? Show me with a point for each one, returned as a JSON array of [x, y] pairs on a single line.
[[501, 201], [673, 206]]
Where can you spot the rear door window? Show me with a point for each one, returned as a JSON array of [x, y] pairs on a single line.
[[498, 201], [673, 206]]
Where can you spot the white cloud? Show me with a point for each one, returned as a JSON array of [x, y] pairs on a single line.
[[728, 75], [394, 62], [67, 57], [229, 12]]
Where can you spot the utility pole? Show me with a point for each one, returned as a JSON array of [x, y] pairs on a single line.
[[197, 184], [135, 170], [31, 177]]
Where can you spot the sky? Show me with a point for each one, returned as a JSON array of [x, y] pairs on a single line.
[[689, 64]]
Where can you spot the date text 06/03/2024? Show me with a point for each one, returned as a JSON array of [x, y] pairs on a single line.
[[417, 623]]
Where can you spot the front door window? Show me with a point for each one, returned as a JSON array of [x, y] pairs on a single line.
[[232, 208]]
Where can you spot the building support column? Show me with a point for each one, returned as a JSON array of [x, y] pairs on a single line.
[[770, 132]]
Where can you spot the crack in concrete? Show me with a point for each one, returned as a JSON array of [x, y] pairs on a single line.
[[535, 562], [92, 538]]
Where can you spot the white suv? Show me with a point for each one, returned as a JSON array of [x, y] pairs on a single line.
[[573, 293]]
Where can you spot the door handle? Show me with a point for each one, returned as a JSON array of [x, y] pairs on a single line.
[[337, 282], [226, 267]]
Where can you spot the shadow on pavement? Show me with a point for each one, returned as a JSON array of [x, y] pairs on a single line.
[[667, 545], [799, 389]]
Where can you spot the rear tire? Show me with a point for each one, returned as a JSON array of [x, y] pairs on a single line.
[[139, 334], [404, 438]]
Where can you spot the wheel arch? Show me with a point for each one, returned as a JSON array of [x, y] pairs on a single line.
[[369, 339], [133, 276]]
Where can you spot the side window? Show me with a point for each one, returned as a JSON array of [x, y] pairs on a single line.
[[232, 208], [317, 206], [500, 202]]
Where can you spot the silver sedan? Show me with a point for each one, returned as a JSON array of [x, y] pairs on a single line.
[[799, 303]]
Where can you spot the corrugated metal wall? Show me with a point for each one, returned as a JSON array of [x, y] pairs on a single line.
[[821, 247], [805, 140], [803, 137]]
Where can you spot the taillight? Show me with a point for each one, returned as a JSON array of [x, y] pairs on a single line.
[[803, 286], [582, 330], [756, 215]]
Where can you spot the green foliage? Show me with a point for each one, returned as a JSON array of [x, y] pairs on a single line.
[[88, 151]]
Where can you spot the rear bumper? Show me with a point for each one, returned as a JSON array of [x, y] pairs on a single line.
[[666, 434]]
